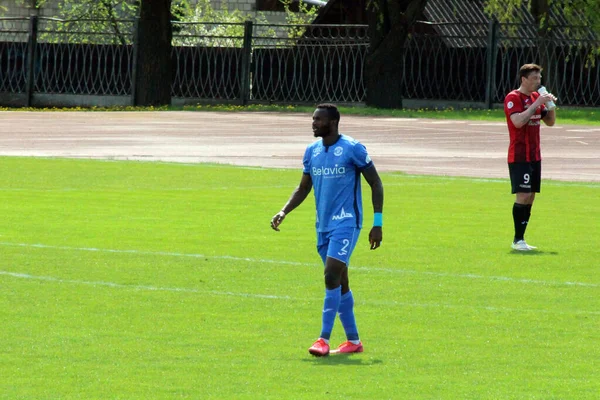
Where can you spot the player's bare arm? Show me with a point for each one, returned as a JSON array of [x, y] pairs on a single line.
[[297, 197], [522, 118], [373, 179], [550, 118]]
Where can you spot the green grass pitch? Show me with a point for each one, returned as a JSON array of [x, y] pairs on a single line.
[[133, 280]]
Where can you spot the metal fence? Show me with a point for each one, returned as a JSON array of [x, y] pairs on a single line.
[[269, 63], [208, 60], [311, 64], [571, 66], [480, 62], [83, 57], [14, 36], [451, 66], [449, 62]]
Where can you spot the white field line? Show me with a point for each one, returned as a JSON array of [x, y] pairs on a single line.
[[281, 262], [196, 189], [139, 287], [275, 297]]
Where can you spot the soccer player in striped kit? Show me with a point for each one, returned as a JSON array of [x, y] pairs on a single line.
[[524, 109], [333, 166]]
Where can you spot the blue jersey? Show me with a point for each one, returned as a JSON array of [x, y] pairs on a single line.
[[336, 174]]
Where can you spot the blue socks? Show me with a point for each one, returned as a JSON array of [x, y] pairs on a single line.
[[344, 305], [330, 309], [346, 311]]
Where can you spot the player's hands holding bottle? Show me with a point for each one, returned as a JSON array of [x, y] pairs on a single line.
[[546, 98]]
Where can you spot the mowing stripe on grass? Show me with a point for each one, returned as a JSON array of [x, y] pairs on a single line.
[[296, 263], [275, 297], [444, 180]]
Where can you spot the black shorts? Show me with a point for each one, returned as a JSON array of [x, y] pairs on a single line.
[[525, 177]]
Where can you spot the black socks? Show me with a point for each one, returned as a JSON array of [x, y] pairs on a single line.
[[521, 214]]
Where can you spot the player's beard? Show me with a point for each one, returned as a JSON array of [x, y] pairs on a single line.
[[322, 132]]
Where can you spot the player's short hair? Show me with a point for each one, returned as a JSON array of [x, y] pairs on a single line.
[[528, 69], [332, 111]]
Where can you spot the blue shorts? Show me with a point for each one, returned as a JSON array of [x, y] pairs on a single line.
[[337, 244]]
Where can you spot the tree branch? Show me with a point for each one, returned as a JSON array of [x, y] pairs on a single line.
[[113, 21]]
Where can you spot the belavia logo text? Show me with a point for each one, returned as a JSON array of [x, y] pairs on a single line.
[[329, 171], [343, 214]]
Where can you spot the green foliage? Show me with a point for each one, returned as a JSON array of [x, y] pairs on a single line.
[[582, 23], [180, 10], [577, 13], [376, 8], [111, 22], [31, 3], [305, 15], [99, 9], [206, 26], [89, 21]]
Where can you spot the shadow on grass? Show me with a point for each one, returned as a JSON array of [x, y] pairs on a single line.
[[343, 359], [534, 253]]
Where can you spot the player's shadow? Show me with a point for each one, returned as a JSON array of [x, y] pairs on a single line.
[[342, 359], [533, 253]]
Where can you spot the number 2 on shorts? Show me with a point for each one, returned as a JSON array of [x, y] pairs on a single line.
[[344, 250]]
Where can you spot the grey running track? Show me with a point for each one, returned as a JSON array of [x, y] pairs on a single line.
[[277, 140]]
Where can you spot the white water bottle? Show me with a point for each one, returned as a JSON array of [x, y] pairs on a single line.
[[549, 105]]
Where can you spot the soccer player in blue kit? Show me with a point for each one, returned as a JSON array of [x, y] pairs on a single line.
[[333, 166]]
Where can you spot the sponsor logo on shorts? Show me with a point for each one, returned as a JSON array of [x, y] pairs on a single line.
[[525, 186]]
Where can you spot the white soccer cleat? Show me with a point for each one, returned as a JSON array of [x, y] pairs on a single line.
[[521, 246], [531, 247]]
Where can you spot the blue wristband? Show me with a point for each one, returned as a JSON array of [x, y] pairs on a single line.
[[378, 219]]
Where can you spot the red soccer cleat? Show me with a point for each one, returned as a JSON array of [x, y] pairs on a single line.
[[319, 348], [349, 347]]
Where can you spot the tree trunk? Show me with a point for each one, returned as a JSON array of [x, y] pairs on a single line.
[[154, 34], [389, 24], [540, 9]]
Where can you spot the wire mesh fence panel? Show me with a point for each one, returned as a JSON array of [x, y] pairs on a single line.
[[570, 60], [298, 63], [207, 60], [89, 57], [309, 63], [442, 62], [14, 46], [579, 82]]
